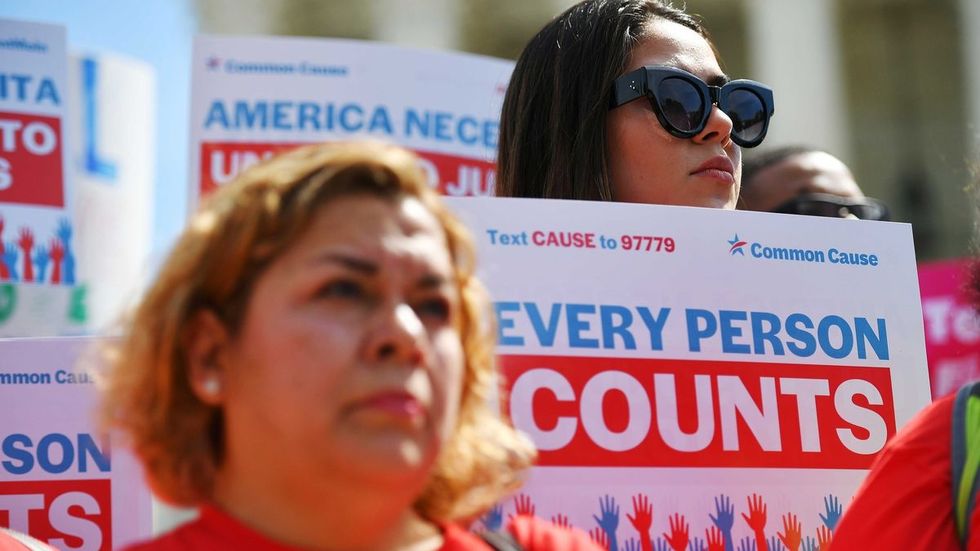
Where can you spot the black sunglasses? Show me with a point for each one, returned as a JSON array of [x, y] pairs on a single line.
[[835, 206], [682, 102]]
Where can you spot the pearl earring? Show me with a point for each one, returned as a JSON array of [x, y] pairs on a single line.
[[211, 386]]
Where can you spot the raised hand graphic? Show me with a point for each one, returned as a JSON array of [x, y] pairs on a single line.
[[679, 532], [834, 512], [823, 538], [716, 541], [41, 259], [608, 520], [57, 254], [724, 519], [775, 544], [661, 545], [747, 544], [561, 520], [26, 244], [598, 535], [10, 259], [809, 544], [493, 520], [64, 234], [632, 544], [642, 520], [697, 544], [4, 272], [756, 519], [792, 532], [523, 506]]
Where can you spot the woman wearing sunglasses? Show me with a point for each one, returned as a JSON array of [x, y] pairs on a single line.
[[312, 364], [624, 100]]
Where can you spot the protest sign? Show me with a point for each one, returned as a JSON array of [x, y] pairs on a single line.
[[38, 293], [60, 480], [252, 97], [951, 325], [704, 363], [112, 111]]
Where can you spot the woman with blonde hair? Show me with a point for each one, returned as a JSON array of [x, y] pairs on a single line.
[[312, 365]]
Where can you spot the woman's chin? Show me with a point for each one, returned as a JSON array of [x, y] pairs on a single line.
[[389, 458]]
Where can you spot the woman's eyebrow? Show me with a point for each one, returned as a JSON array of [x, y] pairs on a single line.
[[354, 263]]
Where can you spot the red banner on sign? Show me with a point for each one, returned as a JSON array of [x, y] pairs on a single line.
[[640, 412], [30, 160], [451, 175], [68, 514]]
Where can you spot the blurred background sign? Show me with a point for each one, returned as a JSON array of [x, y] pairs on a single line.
[[38, 260], [952, 331], [252, 97], [112, 110]]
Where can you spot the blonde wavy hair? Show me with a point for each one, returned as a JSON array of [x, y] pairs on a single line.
[[239, 230]]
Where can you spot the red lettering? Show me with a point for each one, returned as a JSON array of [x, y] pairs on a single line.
[[560, 239]]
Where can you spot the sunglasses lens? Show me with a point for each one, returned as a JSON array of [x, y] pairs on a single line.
[[681, 104], [748, 114], [821, 208], [834, 207]]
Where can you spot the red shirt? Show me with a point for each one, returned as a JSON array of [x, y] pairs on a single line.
[[906, 502], [216, 530]]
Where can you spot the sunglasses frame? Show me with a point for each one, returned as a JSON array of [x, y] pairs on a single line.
[[644, 82], [792, 205]]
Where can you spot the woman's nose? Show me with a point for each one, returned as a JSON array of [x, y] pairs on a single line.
[[398, 335], [717, 129]]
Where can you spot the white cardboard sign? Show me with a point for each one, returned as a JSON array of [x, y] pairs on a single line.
[[252, 97], [60, 480], [691, 359]]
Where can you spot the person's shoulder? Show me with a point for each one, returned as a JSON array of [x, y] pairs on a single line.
[[213, 530], [535, 534], [905, 501], [931, 427], [191, 535], [180, 538]]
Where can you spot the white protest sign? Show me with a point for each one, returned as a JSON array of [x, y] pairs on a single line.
[[37, 252], [112, 109], [251, 97], [684, 366], [60, 480]]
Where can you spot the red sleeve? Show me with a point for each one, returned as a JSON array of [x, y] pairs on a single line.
[[906, 500], [535, 534]]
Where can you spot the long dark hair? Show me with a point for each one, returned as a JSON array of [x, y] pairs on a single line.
[[553, 122]]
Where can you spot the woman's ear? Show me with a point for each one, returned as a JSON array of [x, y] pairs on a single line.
[[206, 342]]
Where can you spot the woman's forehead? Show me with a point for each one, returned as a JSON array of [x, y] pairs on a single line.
[[665, 42], [376, 227]]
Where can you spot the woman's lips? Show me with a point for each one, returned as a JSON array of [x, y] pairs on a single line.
[[402, 405], [716, 174], [718, 168]]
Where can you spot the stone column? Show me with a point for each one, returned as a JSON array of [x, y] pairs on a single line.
[[794, 47], [970, 35], [431, 24]]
